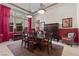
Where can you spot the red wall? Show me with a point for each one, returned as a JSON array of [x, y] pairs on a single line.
[[62, 32], [65, 31], [78, 35]]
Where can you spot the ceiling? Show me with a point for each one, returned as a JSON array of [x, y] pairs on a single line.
[[31, 6], [26, 7]]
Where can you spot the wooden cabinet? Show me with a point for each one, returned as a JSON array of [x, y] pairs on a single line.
[[52, 29]]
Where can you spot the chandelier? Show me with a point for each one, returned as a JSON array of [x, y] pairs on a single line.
[[41, 10]]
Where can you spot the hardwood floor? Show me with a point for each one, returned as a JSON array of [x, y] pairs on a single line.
[[17, 50]]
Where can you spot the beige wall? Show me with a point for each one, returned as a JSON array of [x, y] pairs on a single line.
[[57, 13], [78, 15]]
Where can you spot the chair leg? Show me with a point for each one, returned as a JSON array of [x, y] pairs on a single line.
[[22, 43], [62, 41], [72, 44], [25, 44], [31, 48], [28, 44], [48, 51]]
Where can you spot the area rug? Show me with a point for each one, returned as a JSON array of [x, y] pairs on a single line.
[[18, 50]]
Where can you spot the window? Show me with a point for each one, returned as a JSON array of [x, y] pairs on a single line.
[[11, 24], [19, 20], [11, 27], [19, 26]]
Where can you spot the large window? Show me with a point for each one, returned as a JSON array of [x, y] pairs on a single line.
[[19, 27], [11, 24], [11, 27], [18, 21]]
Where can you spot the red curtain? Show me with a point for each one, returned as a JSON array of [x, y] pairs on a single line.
[[29, 24], [4, 22]]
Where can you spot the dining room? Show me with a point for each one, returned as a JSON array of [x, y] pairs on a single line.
[[39, 29]]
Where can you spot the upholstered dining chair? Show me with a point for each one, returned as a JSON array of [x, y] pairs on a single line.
[[69, 38], [31, 39], [28, 38], [24, 40], [47, 43]]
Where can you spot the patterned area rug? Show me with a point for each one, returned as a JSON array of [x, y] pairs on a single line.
[[17, 50]]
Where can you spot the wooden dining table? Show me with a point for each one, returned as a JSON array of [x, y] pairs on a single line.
[[35, 42]]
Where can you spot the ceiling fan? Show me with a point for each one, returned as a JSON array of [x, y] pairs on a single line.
[[41, 9]]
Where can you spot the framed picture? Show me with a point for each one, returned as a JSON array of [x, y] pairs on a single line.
[[67, 22]]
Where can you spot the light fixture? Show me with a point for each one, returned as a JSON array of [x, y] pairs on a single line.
[[29, 16], [41, 10]]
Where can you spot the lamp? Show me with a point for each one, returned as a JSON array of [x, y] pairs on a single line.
[[41, 10]]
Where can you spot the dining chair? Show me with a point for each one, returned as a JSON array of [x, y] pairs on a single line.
[[24, 39], [69, 38], [47, 43]]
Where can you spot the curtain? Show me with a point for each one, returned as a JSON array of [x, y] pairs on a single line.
[[0, 25], [4, 20], [29, 24]]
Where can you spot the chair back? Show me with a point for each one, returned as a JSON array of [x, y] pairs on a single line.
[[71, 35], [40, 34], [32, 35]]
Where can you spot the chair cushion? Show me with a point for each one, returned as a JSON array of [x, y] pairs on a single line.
[[71, 35], [66, 38], [24, 39]]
